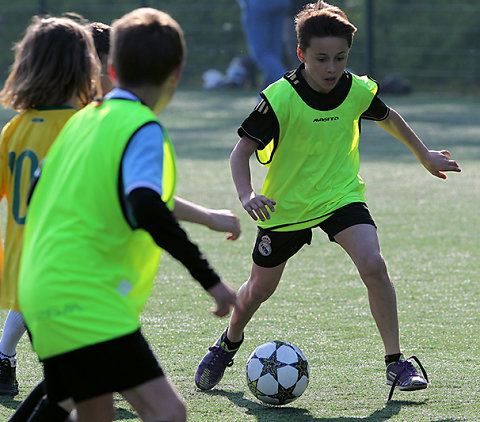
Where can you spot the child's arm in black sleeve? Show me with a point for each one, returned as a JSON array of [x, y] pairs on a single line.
[[152, 215]]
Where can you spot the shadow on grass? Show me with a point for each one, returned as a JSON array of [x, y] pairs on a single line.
[[290, 414], [9, 402], [121, 413], [124, 414]]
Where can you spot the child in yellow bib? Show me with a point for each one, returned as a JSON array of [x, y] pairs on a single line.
[[306, 131], [45, 96]]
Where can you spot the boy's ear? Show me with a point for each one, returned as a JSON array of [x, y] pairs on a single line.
[[111, 73], [300, 54], [177, 73]]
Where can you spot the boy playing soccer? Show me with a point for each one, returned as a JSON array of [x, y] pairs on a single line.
[[306, 130], [99, 214]]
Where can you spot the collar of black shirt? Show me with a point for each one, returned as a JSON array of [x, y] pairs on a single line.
[[315, 99]]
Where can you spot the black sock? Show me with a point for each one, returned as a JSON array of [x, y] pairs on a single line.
[[393, 358], [232, 346], [48, 412], [27, 407]]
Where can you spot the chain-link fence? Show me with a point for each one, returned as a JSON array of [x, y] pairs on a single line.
[[430, 44]]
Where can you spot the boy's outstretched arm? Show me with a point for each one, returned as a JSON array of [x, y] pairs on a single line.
[[151, 214], [255, 205], [225, 297], [436, 162], [218, 220]]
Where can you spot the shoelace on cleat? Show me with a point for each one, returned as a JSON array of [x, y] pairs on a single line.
[[220, 353], [410, 369]]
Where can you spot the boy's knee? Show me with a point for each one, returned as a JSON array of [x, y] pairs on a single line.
[[257, 291], [177, 412], [373, 266], [182, 412]]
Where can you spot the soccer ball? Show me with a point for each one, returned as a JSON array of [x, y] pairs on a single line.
[[277, 372]]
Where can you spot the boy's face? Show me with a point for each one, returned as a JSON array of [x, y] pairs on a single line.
[[325, 61]]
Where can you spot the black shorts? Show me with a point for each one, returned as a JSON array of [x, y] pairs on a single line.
[[273, 248], [111, 366]]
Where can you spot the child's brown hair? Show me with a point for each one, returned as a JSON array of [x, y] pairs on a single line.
[[146, 46], [322, 20], [54, 61], [101, 38]]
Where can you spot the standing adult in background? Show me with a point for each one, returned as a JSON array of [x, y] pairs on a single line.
[[263, 23]]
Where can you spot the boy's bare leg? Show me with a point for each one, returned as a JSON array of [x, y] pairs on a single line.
[[97, 409], [361, 244], [256, 290], [157, 400]]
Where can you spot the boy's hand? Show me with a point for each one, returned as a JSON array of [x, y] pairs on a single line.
[[225, 297], [225, 221], [437, 162], [256, 206]]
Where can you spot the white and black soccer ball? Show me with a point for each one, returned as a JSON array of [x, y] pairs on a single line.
[[277, 372]]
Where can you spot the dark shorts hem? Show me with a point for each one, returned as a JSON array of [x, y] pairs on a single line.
[[111, 366], [345, 217], [272, 247]]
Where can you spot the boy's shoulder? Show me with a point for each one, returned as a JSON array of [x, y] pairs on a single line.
[[364, 81], [290, 78], [113, 116]]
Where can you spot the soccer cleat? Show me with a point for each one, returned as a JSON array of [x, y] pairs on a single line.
[[8, 378], [212, 366], [402, 374]]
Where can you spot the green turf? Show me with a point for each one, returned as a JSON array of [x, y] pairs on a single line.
[[428, 230]]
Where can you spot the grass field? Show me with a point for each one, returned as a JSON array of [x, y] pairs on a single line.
[[429, 232]]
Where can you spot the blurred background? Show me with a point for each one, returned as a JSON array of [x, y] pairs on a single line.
[[428, 45]]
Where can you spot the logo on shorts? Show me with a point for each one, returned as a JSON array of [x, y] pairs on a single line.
[[264, 246]]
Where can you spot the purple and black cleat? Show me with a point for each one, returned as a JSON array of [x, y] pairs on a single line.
[[402, 374]]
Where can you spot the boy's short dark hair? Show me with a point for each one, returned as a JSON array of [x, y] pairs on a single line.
[[146, 46], [101, 37], [322, 20]]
